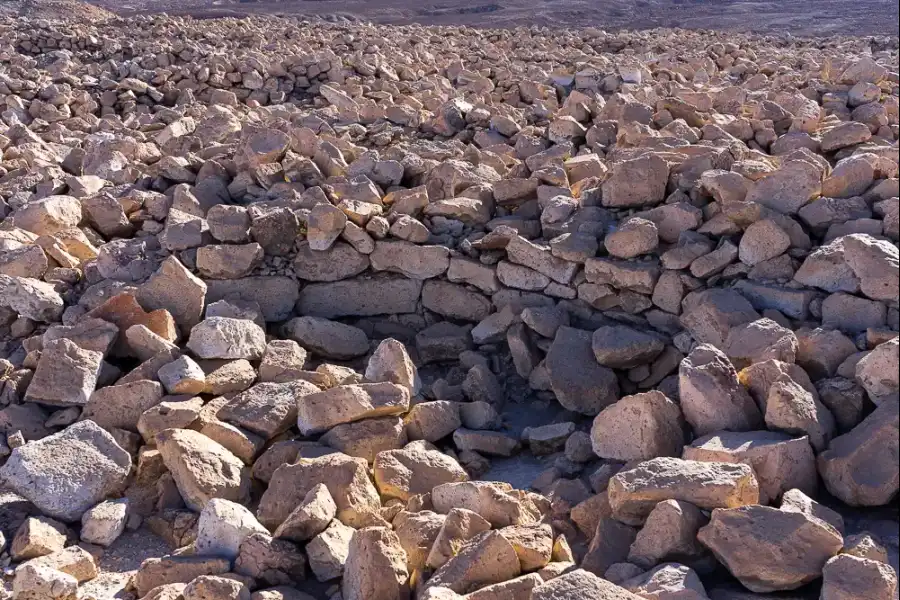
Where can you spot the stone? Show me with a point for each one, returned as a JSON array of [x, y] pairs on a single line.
[[639, 427], [222, 527], [758, 341], [323, 226], [796, 501], [416, 469], [224, 338], [877, 372], [346, 478], [182, 376], [845, 577], [202, 468], [48, 215], [310, 518], [275, 295], [621, 347], [851, 466], [376, 566], [339, 261], [634, 237], [787, 189], [873, 261], [30, 298], [821, 351], [367, 438], [494, 501], [580, 584], [777, 550], [795, 410], [67, 473], [411, 260], [66, 375], [432, 421], [486, 559], [609, 545], [668, 582], [210, 587], [779, 461], [329, 339], [634, 492], [321, 411], [266, 409], [711, 397], [620, 191], [38, 582], [283, 361], [360, 297], [669, 535], [328, 551], [37, 536], [230, 261], [454, 301], [155, 572], [711, 314], [579, 382], [270, 561], [104, 523], [762, 240]]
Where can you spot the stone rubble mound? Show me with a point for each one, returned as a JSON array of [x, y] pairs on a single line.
[[357, 312]]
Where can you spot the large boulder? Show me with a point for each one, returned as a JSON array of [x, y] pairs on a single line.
[[639, 427], [770, 550], [579, 382]]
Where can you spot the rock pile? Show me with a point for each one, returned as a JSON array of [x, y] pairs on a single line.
[[290, 295]]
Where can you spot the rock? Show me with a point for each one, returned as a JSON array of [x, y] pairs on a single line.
[[346, 478], [202, 469], [759, 341], [873, 261], [228, 261], [49, 215], [609, 545], [360, 297], [339, 261], [454, 301], [376, 566], [793, 409], [411, 260], [155, 572], [30, 298], [777, 550], [763, 240], [492, 500], [633, 238], [38, 582], [639, 427], [846, 577], [711, 397], [579, 382], [173, 288], [182, 376], [877, 372], [310, 518], [633, 493], [841, 465], [619, 189], [270, 561], [779, 461], [223, 337], [486, 559], [431, 421], [580, 584], [209, 587], [796, 501], [266, 409], [275, 295], [669, 535], [69, 472], [321, 411], [328, 338], [416, 469], [222, 527], [103, 524], [621, 347], [787, 189], [710, 315], [37, 536], [323, 226], [66, 375], [328, 551], [668, 582]]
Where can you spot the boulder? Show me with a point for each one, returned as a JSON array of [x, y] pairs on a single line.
[[639, 427]]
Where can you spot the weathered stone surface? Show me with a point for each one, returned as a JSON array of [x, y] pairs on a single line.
[[202, 469], [321, 411], [634, 492], [770, 550], [67, 473], [845, 577], [177, 290], [851, 467], [329, 339], [620, 347], [339, 261], [639, 427], [579, 382], [66, 375], [360, 297], [223, 337], [416, 469], [581, 584]]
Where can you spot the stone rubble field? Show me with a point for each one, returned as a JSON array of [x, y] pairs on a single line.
[[356, 312]]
